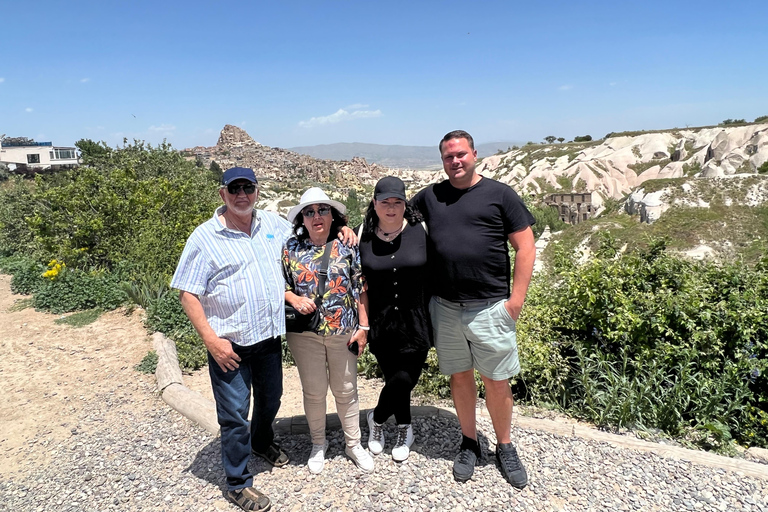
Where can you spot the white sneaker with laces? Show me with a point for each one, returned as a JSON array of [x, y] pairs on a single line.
[[316, 461], [360, 457], [403, 444], [375, 436]]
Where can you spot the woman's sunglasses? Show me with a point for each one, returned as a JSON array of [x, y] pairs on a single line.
[[235, 188], [322, 210]]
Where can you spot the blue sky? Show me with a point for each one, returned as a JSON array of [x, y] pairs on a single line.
[[306, 73]]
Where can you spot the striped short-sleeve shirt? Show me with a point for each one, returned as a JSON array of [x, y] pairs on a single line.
[[238, 278]]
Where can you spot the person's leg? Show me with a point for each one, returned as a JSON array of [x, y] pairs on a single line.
[[232, 391], [385, 406], [493, 342], [265, 360], [494, 347], [310, 355], [498, 399], [464, 393], [455, 359], [342, 375], [401, 374]]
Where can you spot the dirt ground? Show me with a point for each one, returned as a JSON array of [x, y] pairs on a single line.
[[48, 371]]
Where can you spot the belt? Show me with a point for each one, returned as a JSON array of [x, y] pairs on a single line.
[[469, 303]]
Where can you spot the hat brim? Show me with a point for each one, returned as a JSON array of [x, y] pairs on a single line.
[[297, 209], [389, 195]]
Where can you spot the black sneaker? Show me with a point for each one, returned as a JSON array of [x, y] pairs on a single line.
[[274, 455], [511, 467], [464, 464]]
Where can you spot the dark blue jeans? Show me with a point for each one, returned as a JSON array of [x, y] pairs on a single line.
[[260, 368]]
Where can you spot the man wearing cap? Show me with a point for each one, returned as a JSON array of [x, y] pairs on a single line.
[[471, 218], [231, 287]]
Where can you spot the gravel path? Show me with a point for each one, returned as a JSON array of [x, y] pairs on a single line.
[[118, 457]]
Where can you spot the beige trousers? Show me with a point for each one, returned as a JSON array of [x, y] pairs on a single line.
[[324, 360]]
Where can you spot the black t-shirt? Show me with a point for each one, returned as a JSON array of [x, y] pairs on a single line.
[[397, 292], [469, 228]]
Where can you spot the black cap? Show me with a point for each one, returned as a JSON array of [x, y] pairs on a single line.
[[238, 173], [389, 187]]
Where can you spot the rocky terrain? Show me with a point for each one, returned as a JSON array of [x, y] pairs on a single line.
[[617, 165], [653, 171]]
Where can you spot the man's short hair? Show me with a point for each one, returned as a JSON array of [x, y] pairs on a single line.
[[456, 134]]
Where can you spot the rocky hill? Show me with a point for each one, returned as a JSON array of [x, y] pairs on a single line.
[[617, 165], [285, 174]]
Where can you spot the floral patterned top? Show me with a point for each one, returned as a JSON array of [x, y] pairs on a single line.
[[301, 261]]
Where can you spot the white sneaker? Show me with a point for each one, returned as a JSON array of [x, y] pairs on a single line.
[[316, 461], [360, 457], [403, 444], [375, 435]]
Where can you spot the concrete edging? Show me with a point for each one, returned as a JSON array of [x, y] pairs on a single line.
[[202, 411]]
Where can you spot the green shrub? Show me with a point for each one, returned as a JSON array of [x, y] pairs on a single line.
[[761, 119], [148, 363], [74, 290], [27, 274], [166, 315], [646, 340], [582, 138]]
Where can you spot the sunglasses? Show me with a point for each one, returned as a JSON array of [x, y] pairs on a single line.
[[235, 188], [322, 211]]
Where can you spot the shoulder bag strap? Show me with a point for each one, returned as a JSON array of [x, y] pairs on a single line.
[[322, 273]]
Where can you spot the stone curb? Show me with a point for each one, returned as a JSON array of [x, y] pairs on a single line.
[[193, 406]]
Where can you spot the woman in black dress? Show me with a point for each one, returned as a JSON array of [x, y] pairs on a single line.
[[393, 253]]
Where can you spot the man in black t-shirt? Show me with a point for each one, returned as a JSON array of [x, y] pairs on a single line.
[[470, 219]]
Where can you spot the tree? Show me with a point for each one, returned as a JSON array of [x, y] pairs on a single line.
[[582, 138], [561, 139], [216, 170], [91, 151], [550, 139]]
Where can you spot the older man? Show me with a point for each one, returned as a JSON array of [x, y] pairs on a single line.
[[231, 285], [471, 218]]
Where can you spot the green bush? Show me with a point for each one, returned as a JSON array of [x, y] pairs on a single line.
[[26, 273], [582, 138], [761, 119], [166, 315], [148, 363], [135, 205], [646, 340], [74, 290]]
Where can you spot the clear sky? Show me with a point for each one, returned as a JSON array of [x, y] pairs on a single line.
[[305, 73]]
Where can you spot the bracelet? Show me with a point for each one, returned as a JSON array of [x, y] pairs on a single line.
[[364, 327]]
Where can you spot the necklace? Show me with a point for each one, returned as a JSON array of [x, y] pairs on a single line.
[[390, 236]]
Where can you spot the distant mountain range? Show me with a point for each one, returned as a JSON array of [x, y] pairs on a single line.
[[393, 156]]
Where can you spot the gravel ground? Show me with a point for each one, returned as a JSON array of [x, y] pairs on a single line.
[[123, 458]]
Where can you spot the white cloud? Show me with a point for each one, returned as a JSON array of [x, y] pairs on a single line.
[[339, 116], [84, 80], [566, 87], [2, 79], [163, 128], [28, 109]]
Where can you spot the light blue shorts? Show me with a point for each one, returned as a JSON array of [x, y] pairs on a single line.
[[480, 336]]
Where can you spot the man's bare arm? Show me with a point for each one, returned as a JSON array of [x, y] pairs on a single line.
[[525, 254], [220, 348]]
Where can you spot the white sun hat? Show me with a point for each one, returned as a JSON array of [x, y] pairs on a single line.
[[314, 195]]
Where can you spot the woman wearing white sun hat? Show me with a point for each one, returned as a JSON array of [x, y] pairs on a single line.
[[323, 356]]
